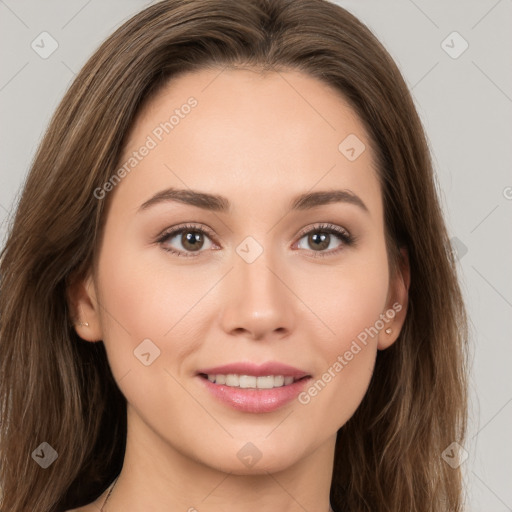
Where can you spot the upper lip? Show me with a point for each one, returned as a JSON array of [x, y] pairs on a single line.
[[246, 368]]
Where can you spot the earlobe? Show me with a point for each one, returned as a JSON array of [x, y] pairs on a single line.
[[85, 323], [83, 305], [397, 303]]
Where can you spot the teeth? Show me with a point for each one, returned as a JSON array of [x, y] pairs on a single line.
[[232, 380], [247, 381], [270, 382], [250, 381]]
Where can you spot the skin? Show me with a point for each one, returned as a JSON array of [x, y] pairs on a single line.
[[259, 140]]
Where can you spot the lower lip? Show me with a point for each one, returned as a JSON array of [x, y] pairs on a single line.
[[255, 400]]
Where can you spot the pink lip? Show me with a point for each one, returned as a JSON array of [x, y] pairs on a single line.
[[255, 400]]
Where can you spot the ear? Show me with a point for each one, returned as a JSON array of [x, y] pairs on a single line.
[[81, 295], [396, 306]]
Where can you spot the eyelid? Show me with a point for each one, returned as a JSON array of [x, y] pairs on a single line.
[[345, 237], [324, 226], [176, 230]]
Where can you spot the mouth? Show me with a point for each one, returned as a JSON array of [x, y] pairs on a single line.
[[254, 389]]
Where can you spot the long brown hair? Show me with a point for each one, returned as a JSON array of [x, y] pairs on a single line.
[[57, 388]]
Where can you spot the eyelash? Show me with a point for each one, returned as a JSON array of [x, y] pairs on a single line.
[[330, 229]]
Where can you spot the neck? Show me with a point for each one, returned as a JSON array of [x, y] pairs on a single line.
[[157, 476]]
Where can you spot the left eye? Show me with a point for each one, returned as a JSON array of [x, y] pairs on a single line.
[[192, 240]]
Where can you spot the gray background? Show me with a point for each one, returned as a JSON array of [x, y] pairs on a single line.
[[466, 107]]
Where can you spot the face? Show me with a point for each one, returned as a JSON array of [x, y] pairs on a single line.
[[187, 283]]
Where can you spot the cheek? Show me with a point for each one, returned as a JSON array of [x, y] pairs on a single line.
[[352, 297], [141, 300], [352, 310], [356, 303]]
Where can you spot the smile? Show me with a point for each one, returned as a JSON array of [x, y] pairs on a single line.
[[251, 381]]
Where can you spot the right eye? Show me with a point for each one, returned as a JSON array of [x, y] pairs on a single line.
[[190, 237]]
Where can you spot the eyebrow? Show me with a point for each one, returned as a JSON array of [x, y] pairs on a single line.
[[221, 204]]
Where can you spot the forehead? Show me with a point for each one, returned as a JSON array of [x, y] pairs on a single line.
[[246, 134]]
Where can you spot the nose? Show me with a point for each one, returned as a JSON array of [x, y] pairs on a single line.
[[258, 304]]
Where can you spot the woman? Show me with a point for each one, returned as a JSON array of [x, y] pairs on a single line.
[[228, 283]]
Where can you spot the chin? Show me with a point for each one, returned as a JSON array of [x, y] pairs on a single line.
[[248, 459]]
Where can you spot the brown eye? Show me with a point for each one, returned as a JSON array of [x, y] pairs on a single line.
[[320, 238], [185, 240], [192, 240], [319, 241]]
